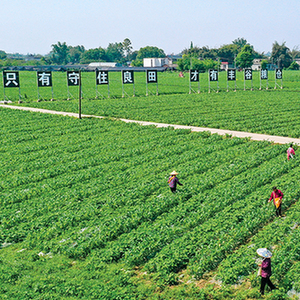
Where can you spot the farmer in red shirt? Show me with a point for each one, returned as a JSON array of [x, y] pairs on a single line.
[[290, 152], [277, 200]]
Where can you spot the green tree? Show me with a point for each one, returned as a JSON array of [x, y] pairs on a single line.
[[204, 52], [281, 55], [293, 66], [137, 63], [3, 54], [115, 52], [127, 48], [75, 53], [60, 53], [228, 53], [93, 55], [240, 42], [264, 64], [188, 62], [295, 53], [245, 58], [150, 52]]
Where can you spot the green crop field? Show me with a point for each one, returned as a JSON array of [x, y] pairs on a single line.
[[86, 212], [272, 111]]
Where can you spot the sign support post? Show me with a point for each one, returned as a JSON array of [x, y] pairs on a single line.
[[79, 94]]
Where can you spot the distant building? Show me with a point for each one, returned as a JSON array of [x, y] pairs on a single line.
[[157, 62], [256, 66], [104, 65], [224, 66]]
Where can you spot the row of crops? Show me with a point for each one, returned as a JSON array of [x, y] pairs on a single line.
[[86, 211], [169, 83], [272, 112]]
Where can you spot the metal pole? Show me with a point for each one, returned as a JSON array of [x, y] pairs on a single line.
[[133, 90], [79, 95], [227, 81], [260, 79], [146, 85], [208, 83], [190, 87], [52, 92]]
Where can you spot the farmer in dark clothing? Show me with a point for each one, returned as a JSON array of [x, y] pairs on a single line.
[[277, 200], [266, 270], [173, 180]]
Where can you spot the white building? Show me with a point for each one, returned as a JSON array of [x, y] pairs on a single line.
[[256, 66], [103, 65], [156, 62]]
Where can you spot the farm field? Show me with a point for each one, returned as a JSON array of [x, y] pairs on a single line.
[[269, 111], [86, 212]]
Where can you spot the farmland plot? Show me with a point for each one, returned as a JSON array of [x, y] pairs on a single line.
[[86, 210], [270, 111]]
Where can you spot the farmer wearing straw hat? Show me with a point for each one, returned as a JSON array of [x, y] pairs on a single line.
[[266, 270], [277, 200], [173, 180]]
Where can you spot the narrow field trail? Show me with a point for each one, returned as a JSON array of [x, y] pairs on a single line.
[[241, 134]]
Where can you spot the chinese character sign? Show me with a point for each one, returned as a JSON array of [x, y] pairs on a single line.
[[101, 77], [11, 79], [151, 76], [127, 77], [213, 75], [264, 74], [44, 78], [231, 74], [248, 74], [73, 78], [278, 73], [194, 76]]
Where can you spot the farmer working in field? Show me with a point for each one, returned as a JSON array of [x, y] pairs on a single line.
[[173, 180], [265, 270], [290, 152], [277, 200]]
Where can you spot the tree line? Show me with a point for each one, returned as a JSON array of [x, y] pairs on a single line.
[[238, 53]]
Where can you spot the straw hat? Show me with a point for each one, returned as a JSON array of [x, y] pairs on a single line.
[[174, 173], [264, 252]]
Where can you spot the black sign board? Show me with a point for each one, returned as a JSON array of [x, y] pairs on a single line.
[[278, 73], [127, 77], [73, 78], [11, 79], [44, 78], [231, 74], [248, 74], [194, 75], [264, 74], [213, 75], [151, 76], [101, 77]]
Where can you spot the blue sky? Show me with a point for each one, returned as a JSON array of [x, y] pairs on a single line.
[[32, 26]]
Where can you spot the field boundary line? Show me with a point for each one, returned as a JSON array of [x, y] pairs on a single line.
[[240, 134]]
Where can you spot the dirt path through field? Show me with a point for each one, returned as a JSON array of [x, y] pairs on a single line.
[[241, 134]]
